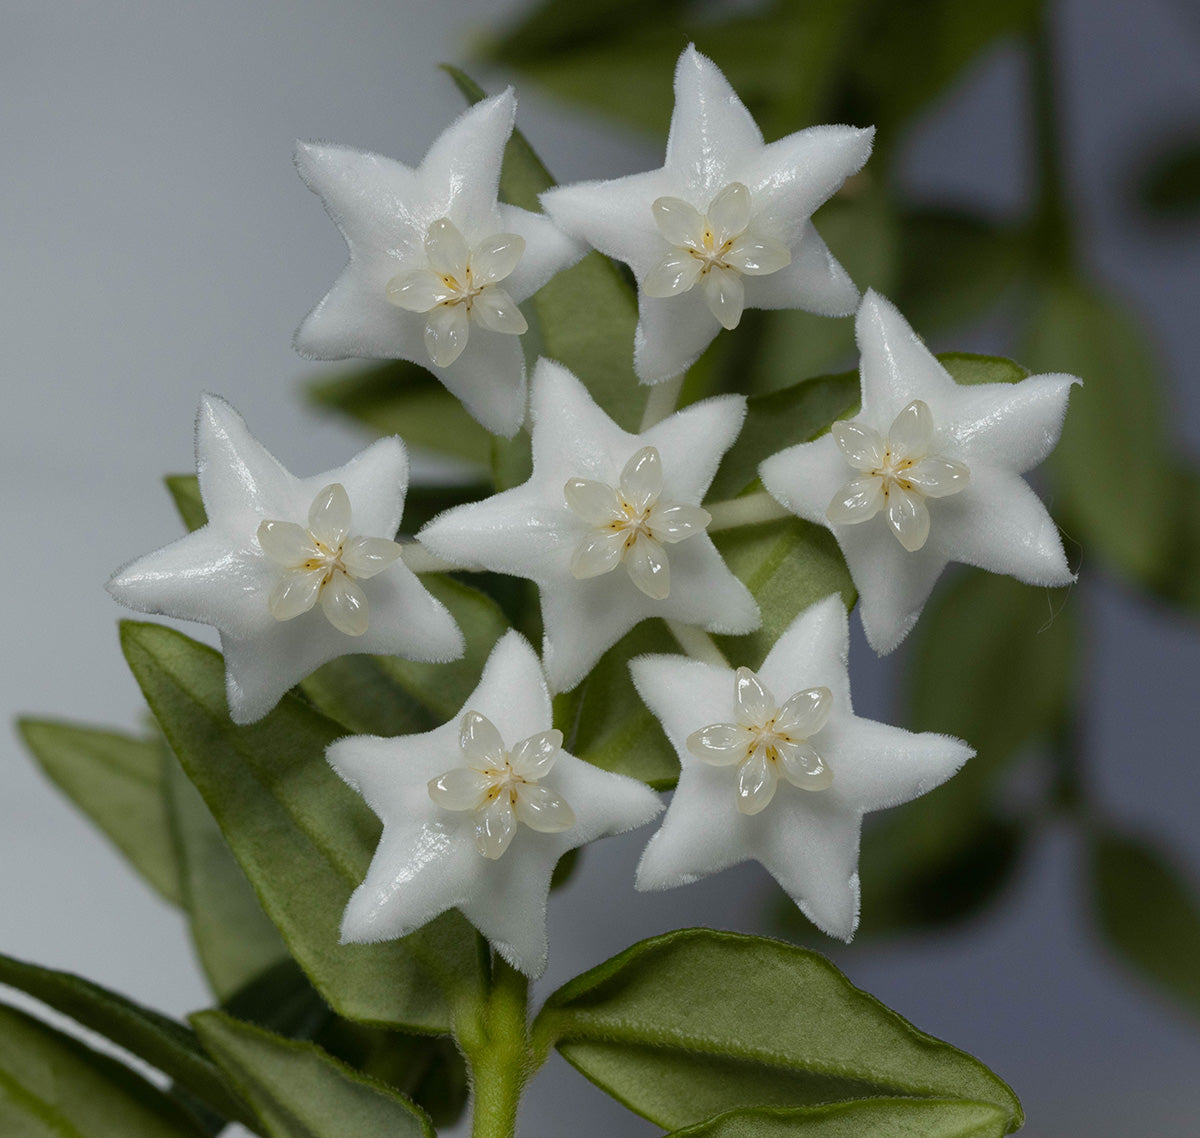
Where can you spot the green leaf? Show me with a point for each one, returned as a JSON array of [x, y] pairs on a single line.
[[428, 1069], [363, 695], [234, 939], [863, 233], [985, 646], [1170, 187], [868, 1118], [1112, 469], [159, 1040], [444, 688], [116, 780], [684, 1026], [787, 565], [299, 1091], [967, 368], [52, 1085], [954, 267], [185, 493], [1148, 913], [400, 398], [604, 721], [780, 419], [300, 834]]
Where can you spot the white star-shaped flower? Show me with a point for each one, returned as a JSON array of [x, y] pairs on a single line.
[[928, 472], [608, 525], [437, 265], [477, 813], [776, 768], [723, 225], [292, 572]]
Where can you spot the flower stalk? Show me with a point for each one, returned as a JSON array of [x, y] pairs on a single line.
[[499, 1054]]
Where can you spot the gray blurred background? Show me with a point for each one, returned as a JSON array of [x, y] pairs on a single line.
[[155, 242]]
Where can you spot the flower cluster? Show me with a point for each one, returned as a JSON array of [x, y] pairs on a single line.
[[611, 526]]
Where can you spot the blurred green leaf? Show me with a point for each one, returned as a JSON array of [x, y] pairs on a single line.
[[1148, 913], [910, 53], [1113, 478], [299, 1091], [400, 398], [160, 1041], [425, 501], [605, 722], [303, 838], [1179, 581], [1169, 187], [53, 1086], [954, 267], [185, 493], [861, 229], [684, 1026], [787, 565], [868, 1118], [116, 780], [234, 939], [992, 663], [967, 368]]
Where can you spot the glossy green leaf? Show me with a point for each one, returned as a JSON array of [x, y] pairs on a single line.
[[1112, 469], [985, 645], [299, 1091], [954, 267], [1148, 913], [869, 1118], [685, 1026], [302, 837], [605, 722], [185, 493], [53, 1085], [1170, 186], [234, 939], [400, 398], [787, 565], [116, 780], [162, 1042]]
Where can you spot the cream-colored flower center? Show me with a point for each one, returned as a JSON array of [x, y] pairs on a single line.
[[628, 524], [766, 742], [324, 563], [460, 285], [896, 474], [502, 787]]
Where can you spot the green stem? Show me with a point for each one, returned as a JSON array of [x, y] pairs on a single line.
[[499, 1054], [697, 643], [1052, 220], [749, 510], [661, 401]]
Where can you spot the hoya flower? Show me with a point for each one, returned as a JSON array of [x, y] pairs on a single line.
[[609, 525], [722, 226], [437, 265], [477, 813], [777, 768], [926, 473], [292, 572]]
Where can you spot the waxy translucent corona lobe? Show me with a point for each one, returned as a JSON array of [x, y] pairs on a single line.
[[714, 250], [897, 474], [767, 742], [630, 524], [459, 285], [323, 562], [503, 787]]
